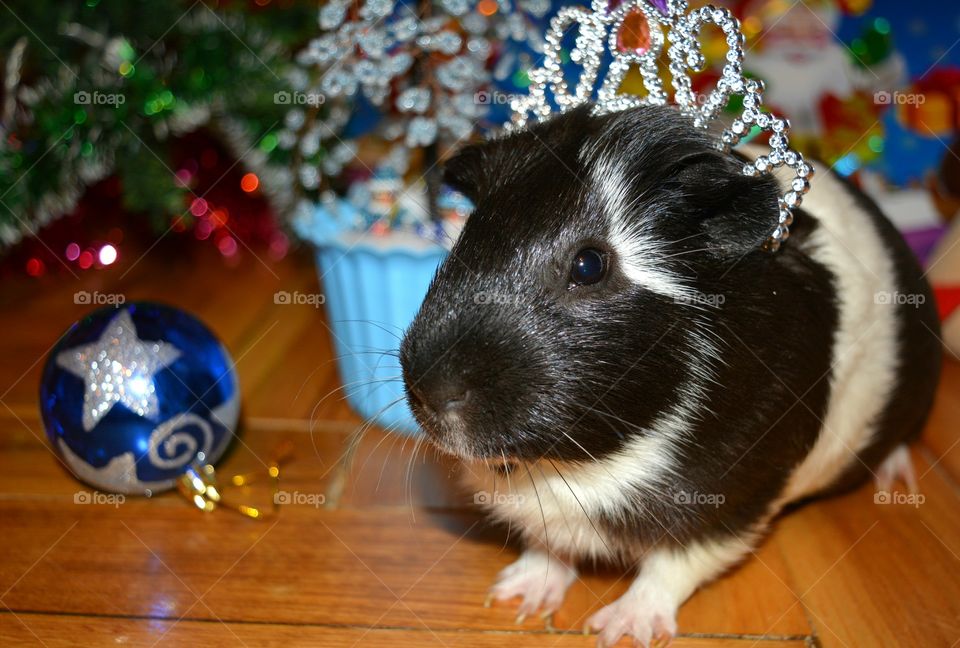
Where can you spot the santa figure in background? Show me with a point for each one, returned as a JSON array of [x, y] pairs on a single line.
[[795, 49]]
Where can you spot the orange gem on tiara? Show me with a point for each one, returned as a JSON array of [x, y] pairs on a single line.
[[634, 35]]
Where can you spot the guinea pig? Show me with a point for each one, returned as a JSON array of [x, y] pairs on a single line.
[[609, 349]]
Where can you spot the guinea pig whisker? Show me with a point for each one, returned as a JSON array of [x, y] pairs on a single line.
[[358, 384], [354, 441], [599, 400], [376, 367], [377, 383], [619, 433], [546, 536], [560, 508], [582, 508], [510, 490], [380, 325], [375, 448], [380, 382], [362, 356], [576, 443], [556, 499], [594, 459], [422, 441], [408, 481], [403, 449], [383, 466], [684, 252], [421, 445], [393, 353], [355, 436], [608, 414], [686, 238]]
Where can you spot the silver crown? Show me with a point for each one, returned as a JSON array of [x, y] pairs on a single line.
[[633, 31]]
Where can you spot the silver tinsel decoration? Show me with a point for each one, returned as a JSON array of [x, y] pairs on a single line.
[[77, 173], [421, 131], [601, 29], [369, 48], [414, 100]]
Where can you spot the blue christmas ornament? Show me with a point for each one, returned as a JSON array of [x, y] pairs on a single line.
[[130, 396]]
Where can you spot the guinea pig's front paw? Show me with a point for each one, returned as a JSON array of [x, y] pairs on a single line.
[[541, 581], [642, 615]]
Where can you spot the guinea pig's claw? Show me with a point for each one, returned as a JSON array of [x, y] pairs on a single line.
[[898, 466], [539, 582], [644, 619], [547, 618], [656, 642], [488, 602]]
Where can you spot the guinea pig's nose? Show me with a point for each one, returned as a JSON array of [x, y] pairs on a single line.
[[446, 398], [455, 400]]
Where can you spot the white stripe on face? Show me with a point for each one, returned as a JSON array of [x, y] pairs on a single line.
[[639, 252]]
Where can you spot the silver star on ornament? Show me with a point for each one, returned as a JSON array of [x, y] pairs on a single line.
[[118, 368]]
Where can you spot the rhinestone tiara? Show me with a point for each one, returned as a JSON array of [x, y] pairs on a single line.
[[633, 31]]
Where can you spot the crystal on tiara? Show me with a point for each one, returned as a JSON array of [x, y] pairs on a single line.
[[635, 32]]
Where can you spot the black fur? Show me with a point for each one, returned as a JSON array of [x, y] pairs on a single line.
[[530, 359]]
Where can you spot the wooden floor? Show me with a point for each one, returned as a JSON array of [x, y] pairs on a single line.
[[384, 562]]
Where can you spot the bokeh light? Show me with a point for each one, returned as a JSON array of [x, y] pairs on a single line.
[[108, 254], [85, 260], [35, 267], [198, 207], [250, 182]]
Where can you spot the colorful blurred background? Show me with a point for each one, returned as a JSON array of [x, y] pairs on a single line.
[[118, 129]]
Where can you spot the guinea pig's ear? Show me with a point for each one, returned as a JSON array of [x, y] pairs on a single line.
[[737, 211], [464, 171]]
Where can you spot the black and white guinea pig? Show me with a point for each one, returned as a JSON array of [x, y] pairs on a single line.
[[614, 357]]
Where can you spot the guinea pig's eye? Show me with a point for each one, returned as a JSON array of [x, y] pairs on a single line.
[[589, 267]]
